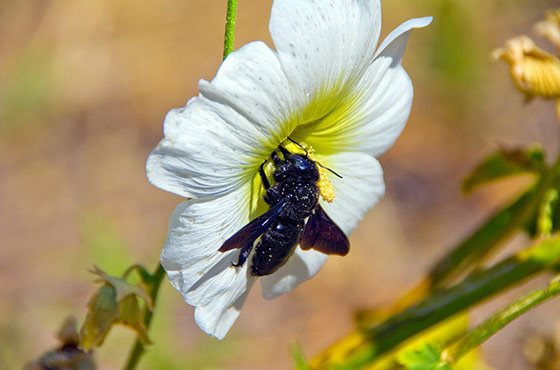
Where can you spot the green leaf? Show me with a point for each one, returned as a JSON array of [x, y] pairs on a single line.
[[103, 311], [115, 302], [132, 316], [504, 163], [298, 356], [426, 357], [122, 287]]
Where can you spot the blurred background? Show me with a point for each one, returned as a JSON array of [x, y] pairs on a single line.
[[84, 87]]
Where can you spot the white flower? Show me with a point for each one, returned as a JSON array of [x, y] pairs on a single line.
[[326, 86]]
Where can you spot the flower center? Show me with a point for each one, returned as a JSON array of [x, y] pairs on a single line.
[[326, 188]]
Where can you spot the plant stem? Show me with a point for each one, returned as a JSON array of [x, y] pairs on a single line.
[[138, 349], [231, 17], [499, 320], [363, 347]]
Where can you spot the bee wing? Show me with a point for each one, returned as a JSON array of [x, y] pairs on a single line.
[[323, 234], [250, 232]]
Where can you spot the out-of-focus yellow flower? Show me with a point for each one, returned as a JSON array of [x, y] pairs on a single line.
[[550, 28], [534, 71]]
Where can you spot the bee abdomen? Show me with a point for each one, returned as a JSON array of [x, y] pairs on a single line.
[[275, 247]]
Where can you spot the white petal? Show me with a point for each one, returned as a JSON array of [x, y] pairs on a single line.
[[393, 46], [360, 188], [301, 266], [213, 144], [201, 154], [324, 45], [376, 110], [252, 81], [383, 117], [197, 270]]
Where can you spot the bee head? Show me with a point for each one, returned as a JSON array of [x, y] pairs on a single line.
[[295, 167]]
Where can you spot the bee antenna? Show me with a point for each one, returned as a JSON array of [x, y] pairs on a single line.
[[331, 171], [285, 152], [298, 144]]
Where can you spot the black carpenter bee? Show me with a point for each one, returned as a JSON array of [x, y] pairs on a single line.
[[295, 217]]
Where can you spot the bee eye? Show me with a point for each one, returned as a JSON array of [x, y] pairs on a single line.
[[301, 163]]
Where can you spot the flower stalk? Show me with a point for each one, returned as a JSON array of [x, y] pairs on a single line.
[[156, 279], [499, 320], [139, 348], [231, 17]]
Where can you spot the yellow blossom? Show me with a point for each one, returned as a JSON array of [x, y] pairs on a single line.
[[535, 72], [550, 28]]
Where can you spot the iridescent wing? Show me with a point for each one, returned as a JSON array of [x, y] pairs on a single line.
[[322, 234], [250, 232]]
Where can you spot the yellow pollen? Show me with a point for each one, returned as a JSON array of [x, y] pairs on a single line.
[[326, 188]]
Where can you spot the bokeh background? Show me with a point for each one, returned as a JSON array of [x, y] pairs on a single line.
[[84, 87]]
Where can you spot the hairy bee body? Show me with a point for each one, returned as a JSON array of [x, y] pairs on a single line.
[[294, 217]]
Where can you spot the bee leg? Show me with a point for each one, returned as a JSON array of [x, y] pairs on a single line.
[[276, 159], [272, 196], [243, 255], [264, 179], [285, 152]]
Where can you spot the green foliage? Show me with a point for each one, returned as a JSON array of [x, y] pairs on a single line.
[[546, 219], [298, 357], [115, 302], [426, 357], [504, 163], [546, 214]]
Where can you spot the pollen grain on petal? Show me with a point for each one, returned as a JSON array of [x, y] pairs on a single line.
[[326, 188]]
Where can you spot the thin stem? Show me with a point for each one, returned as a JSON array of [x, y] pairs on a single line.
[[361, 348], [231, 17], [499, 320], [138, 349]]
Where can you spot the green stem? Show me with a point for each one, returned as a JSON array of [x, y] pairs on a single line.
[[231, 17], [378, 340], [138, 349], [499, 320]]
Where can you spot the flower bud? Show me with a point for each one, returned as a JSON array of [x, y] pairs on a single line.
[[67, 356], [116, 302]]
